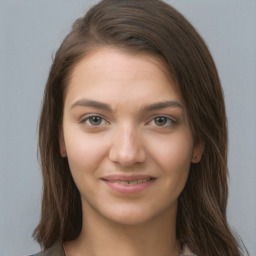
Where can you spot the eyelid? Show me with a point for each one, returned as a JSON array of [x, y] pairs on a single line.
[[172, 119], [84, 118]]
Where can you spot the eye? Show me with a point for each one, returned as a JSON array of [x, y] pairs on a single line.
[[94, 121], [163, 121]]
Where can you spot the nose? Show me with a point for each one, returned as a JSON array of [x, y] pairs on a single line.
[[127, 147]]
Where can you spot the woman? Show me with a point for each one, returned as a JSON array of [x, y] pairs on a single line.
[[133, 139]]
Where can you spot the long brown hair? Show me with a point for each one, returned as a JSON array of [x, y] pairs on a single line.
[[153, 27]]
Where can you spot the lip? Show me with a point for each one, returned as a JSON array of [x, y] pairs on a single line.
[[113, 182]]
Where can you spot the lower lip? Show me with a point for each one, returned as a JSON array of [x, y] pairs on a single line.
[[128, 189]]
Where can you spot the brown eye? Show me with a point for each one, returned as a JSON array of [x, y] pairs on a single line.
[[161, 120]]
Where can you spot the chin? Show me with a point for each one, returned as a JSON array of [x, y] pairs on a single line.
[[130, 221], [132, 216]]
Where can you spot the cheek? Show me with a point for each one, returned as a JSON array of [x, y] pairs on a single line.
[[174, 158], [84, 152], [174, 153]]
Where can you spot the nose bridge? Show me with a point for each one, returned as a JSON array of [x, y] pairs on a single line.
[[127, 147]]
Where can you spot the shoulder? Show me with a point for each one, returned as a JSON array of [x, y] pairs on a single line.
[[37, 254], [186, 251], [56, 250]]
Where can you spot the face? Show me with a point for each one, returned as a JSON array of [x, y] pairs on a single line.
[[126, 136]]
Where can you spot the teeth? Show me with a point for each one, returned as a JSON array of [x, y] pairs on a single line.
[[132, 182]]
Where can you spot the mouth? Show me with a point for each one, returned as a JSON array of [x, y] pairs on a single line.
[[132, 182], [128, 184]]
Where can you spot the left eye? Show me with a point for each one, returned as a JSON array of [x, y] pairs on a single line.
[[162, 121], [95, 121]]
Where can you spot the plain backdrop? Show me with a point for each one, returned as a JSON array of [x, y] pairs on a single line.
[[30, 33]]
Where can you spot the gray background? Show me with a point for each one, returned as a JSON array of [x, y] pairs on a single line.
[[30, 33]]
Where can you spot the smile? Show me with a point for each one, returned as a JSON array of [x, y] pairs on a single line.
[[123, 184], [132, 182]]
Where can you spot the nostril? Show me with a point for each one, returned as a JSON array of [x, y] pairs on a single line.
[[126, 148]]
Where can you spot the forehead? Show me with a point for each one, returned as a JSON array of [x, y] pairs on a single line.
[[111, 70], [112, 57]]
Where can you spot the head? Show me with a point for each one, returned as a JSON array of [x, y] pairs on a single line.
[[156, 29]]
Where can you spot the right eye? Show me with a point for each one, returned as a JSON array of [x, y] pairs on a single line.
[[94, 121]]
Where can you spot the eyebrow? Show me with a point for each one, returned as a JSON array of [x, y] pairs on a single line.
[[147, 108], [92, 103], [161, 105]]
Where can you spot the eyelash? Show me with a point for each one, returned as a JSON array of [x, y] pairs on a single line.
[[86, 119], [168, 121]]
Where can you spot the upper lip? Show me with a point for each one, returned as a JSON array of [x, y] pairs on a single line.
[[127, 177]]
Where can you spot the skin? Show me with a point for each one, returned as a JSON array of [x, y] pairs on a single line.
[[131, 134]]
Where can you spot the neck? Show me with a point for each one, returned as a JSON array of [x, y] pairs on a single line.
[[101, 236]]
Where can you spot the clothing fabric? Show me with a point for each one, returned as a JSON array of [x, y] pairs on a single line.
[[58, 250]]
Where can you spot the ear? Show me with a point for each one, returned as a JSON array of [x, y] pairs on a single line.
[[198, 152], [63, 151]]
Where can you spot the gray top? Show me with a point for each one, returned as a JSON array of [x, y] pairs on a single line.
[[58, 250]]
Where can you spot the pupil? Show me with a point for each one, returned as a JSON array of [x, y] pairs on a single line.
[[160, 121], [95, 120]]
